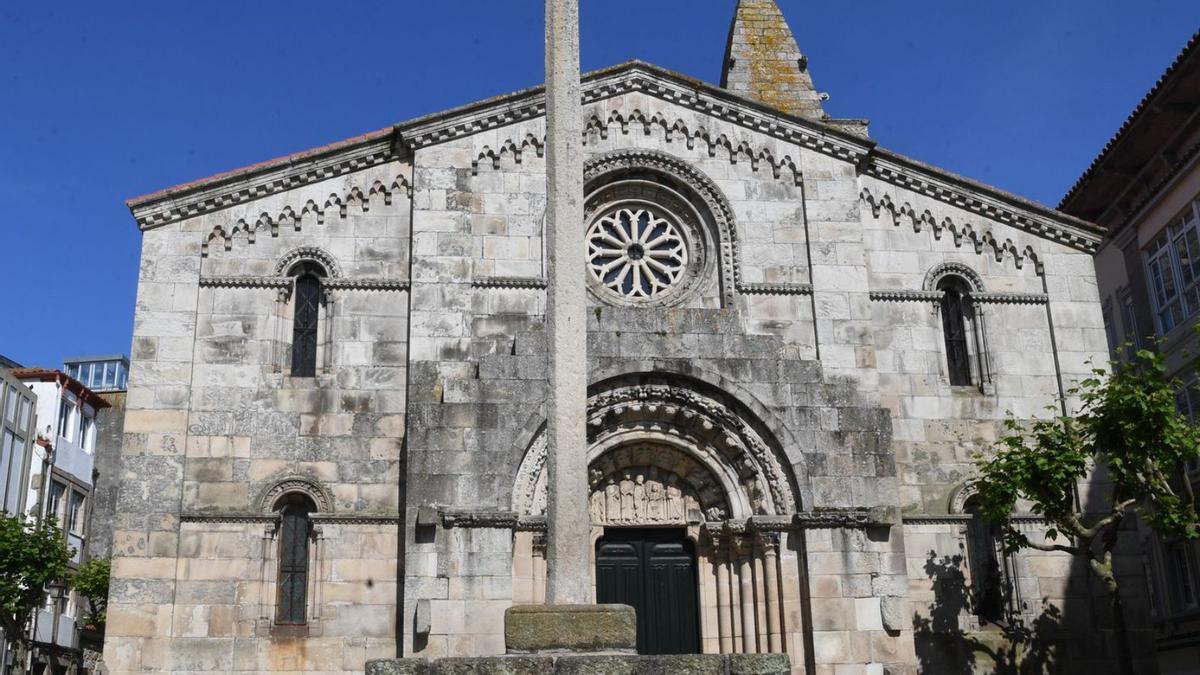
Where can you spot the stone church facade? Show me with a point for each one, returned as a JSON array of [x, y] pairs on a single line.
[[798, 340]]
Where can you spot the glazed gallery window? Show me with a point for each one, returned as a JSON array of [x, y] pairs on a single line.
[[11, 403], [54, 507], [1179, 570], [87, 426], [74, 521], [305, 319], [13, 465], [1132, 338], [1173, 270], [295, 528], [65, 406], [1187, 400]]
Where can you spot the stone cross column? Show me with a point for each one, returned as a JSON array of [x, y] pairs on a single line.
[[568, 577]]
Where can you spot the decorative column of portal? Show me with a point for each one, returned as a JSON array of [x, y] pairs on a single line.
[[568, 526], [724, 616], [771, 576], [745, 552]]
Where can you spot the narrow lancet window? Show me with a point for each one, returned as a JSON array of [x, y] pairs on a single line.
[[954, 330], [304, 324], [294, 530], [987, 575]]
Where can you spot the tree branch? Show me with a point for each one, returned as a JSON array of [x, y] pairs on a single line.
[[1187, 487], [1117, 514], [1051, 548]]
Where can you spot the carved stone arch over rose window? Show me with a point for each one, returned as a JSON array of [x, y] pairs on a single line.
[[658, 231], [670, 454]]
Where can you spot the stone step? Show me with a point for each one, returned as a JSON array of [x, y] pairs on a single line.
[[592, 664]]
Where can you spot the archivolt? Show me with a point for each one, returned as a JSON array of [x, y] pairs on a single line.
[[309, 487], [944, 270], [752, 478], [313, 253]]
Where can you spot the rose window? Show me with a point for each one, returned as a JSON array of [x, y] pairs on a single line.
[[637, 253]]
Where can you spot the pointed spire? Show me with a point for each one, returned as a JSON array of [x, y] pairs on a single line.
[[763, 62]]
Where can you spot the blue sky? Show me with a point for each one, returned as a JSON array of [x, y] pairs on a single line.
[[102, 101]]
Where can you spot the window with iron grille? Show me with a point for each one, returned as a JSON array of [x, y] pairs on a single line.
[[955, 309], [304, 324], [987, 572], [294, 529]]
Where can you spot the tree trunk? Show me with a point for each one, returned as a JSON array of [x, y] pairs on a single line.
[[1104, 570], [1124, 653]]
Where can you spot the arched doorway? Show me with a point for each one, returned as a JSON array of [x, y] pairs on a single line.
[[681, 476]]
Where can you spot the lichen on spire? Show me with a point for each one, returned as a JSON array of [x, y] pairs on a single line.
[[764, 63]]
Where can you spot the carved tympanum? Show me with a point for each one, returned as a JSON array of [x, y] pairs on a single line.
[[643, 495]]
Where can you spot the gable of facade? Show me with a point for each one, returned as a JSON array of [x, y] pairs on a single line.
[[773, 378]]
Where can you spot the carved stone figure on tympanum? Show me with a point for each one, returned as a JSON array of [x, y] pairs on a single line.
[[639, 496]]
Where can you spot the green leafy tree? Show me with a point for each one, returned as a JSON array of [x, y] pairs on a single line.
[[31, 556], [1127, 432], [91, 581]]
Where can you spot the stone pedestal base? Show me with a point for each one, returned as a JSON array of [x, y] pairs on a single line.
[[589, 664], [541, 629]]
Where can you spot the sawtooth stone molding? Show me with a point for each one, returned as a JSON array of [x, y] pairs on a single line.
[[536, 283]]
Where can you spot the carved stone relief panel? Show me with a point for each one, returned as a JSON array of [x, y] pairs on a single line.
[[644, 495]]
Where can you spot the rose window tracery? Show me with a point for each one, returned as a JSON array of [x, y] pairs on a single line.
[[637, 253]]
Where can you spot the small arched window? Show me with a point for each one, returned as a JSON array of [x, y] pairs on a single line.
[[295, 530], [305, 319], [983, 555], [956, 311]]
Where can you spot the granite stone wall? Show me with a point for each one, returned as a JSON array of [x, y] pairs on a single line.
[[810, 326]]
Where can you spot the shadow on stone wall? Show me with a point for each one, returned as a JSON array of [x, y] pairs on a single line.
[[1018, 642]]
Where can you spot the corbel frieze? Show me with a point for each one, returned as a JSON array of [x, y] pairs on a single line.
[[851, 518], [233, 281], [484, 519], [357, 519], [904, 295], [946, 188], [1020, 519], [231, 517], [367, 284], [531, 524], [285, 283], [997, 298], [759, 288], [163, 208], [535, 283]]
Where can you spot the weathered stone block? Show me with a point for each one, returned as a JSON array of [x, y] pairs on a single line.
[[579, 628], [399, 667]]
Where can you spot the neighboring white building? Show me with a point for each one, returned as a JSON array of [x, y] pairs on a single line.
[[1144, 189], [60, 485], [17, 437]]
